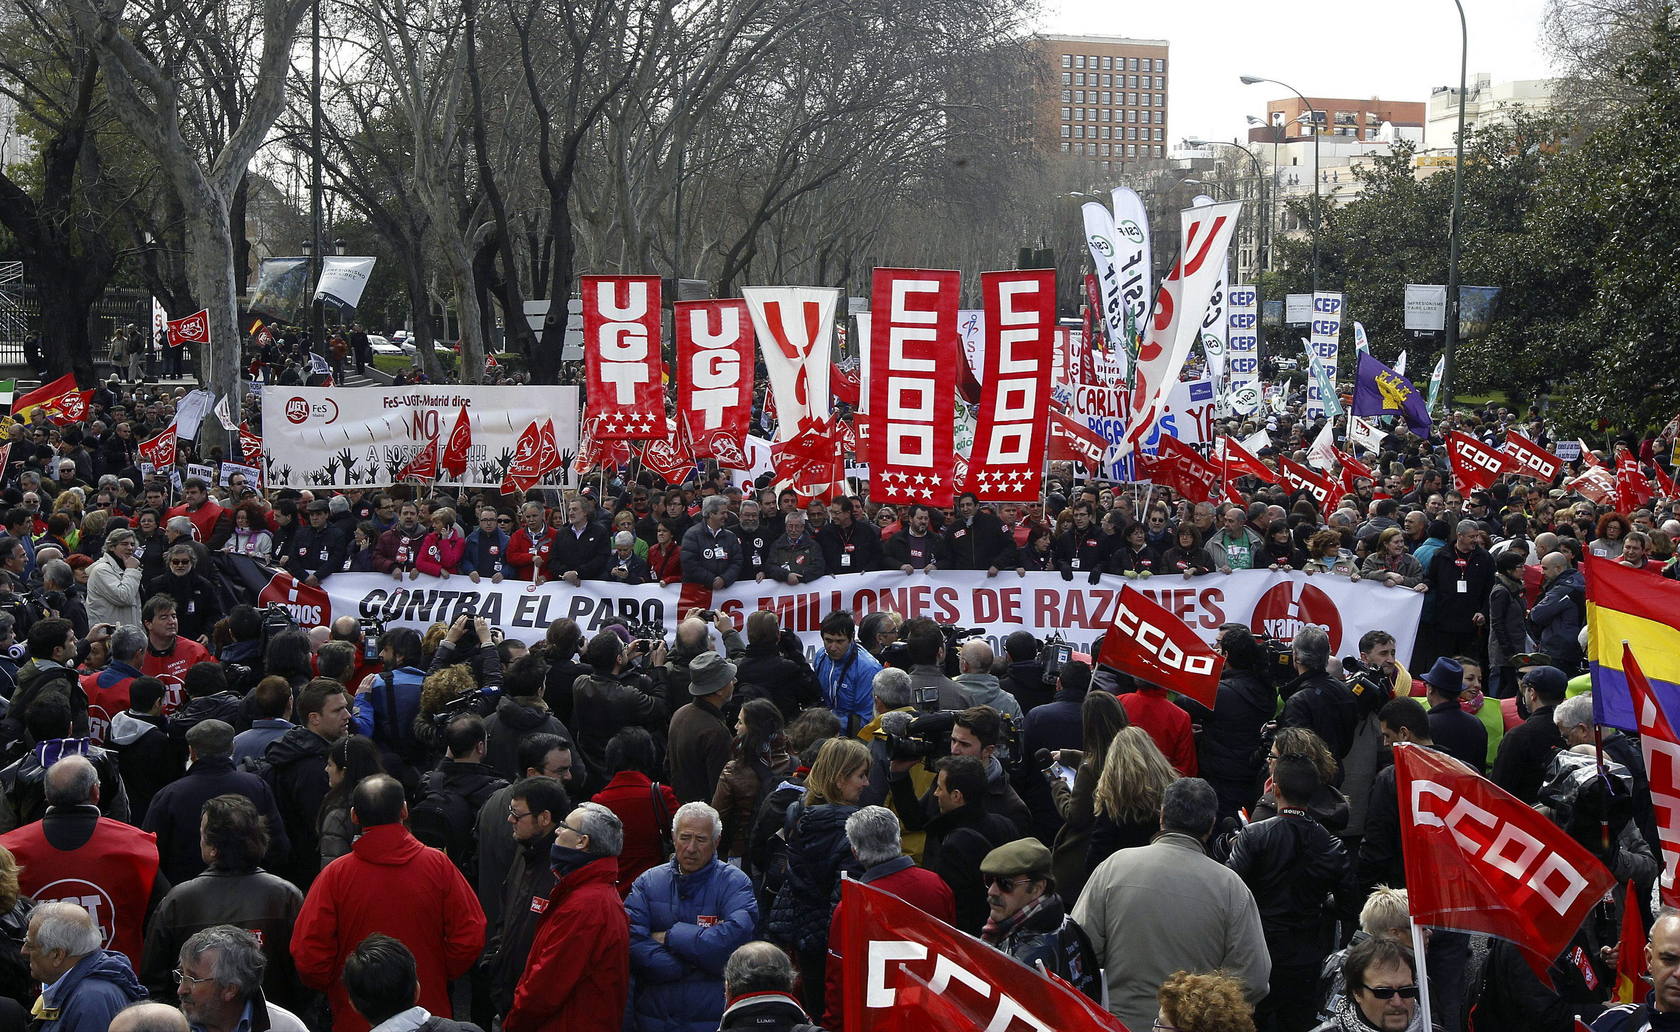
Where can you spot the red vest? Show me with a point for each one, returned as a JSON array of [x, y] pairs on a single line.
[[104, 703], [171, 669], [111, 876]]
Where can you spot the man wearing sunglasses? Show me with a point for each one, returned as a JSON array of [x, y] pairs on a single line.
[[1027, 919], [1382, 988]]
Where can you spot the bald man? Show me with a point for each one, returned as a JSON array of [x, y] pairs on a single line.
[[979, 685], [150, 1017]]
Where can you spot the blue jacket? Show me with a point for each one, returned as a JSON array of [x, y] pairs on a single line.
[[848, 687], [91, 993], [705, 915], [367, 716], [1557, 616], [477, 557]]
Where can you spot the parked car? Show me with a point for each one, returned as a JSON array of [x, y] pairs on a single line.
[[382, 346]]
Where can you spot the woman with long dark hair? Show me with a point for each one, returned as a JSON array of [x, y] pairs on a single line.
[[288, 657], [760, 759], [1101, 717], [349, 760]]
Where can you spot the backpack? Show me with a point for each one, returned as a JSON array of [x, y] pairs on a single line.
[[446, 819]]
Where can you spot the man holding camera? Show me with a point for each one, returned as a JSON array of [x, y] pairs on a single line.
[[1317, 701]]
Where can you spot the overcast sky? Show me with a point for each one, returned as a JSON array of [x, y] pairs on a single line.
[[1325, 48]]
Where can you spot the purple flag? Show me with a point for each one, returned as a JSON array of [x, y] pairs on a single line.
[[1380, 391]]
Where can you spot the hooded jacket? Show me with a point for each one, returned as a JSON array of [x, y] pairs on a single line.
[[144, 756], [817, 851], [388, 883], [578, 975], [25, 780], [517, 718], [300, 786], [1557, 617], [90, 994], [983, 690], [705, 915]]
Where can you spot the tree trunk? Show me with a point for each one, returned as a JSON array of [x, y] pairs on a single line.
[[545, 358], [210, 272]]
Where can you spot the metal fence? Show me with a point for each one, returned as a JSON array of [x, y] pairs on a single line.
[[20, 315]]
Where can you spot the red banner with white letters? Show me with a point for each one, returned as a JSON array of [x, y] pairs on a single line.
[[1071, 440], [624, 370], [1240, 462], [715, 375], [1006, 463], [1528, 459], [913, 363], [1479, 860], [905, 971], [1474, 464], [1149, 642], [1660, 749]]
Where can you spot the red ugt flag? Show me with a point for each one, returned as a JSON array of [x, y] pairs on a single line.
[[1479, 861], [160, 450], [454, 461], [1632, 489], [624, 369], [193, 329], [1152, 644]]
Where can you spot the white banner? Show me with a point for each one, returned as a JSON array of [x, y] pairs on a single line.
[[343, 279], [1325, 345], [1242, 346], [363, 436], [1189, 416], [1297, 309], [1273, 604], [190, 412], [1214, 330], [795, 329], [1426, 307], [1105, 257], [1134, 257], [971, 330]]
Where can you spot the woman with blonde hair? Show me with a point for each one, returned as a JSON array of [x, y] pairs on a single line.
[[1391, 565], [1102, 717], [1127, 801], [817, 851], [15, 983]]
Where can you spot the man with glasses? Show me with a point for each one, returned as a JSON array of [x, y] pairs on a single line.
[[220, 984], [1028, 920], [1381, 978], [83, 986], [578, 974], [533, 812]]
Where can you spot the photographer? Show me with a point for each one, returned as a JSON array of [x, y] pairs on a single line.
[[1376, 678], [1316, 700], [926, 642], [670, 670], [616, 694], [976, 732], [386, 703], [773, 667]]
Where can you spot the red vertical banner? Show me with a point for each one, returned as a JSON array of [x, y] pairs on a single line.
[[1007, 461], [715, 375], [624, 371], [913, 383]]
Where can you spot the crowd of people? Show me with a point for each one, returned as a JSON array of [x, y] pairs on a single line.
[[359, 827]]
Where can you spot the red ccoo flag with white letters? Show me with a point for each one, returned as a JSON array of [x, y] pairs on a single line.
[[624, 368], [1073, 441], [1528, 459], [1006, 463], [1474, 464], [1479, 860], [913, 366], [715, 374], [193, 329], [1661, 751], [1152, 644]]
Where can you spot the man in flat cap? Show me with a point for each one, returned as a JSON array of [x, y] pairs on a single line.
[[1027, 919]]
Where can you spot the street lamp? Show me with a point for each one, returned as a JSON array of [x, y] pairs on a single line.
[[1451, 344], [1250, 80]]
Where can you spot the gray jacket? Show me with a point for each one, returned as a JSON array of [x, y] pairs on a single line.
[[983, 690], [1195, 913]]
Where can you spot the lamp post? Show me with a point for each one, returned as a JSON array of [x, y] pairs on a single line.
[[317, 253], [1250, 80], [1451, 345], [1259, 180]]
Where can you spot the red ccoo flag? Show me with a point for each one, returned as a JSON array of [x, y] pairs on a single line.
[[1525, 458], [1660, 749], [1152, 644], [1479, 860], [1474, 464], [1240, 462], [192, 329], [454, 460]]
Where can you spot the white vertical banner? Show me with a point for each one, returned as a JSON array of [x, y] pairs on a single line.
[[1214, 330], [1105, 251], [795, 328], [1134, 260], [1325, 343], [1242, 348]]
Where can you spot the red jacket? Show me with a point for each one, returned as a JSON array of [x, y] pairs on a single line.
[[204, 520], [525, 555], [388, 883], [1150, 709], [111, 875], [577, 976], [630, 795], [665, 564], [917, 886], [441, 554], [172, 669]]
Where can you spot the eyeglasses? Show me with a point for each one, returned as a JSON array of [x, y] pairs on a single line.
[[185, 980], [504, 519], [515, 815], [1004, 884], [180, 562], [1386, 992]]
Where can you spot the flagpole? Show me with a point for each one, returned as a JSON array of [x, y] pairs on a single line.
[[1418, 957]]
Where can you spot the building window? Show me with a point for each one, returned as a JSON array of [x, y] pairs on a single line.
[[1160, 64], [1158, 117], [1108, 62], [1066, 146], [1160, 81], [1067, 60], [1105, 132], [1131, 116], [1079, 61], [1160, 134], [1105, 96], [1067, 131], [1105, 166], [1067, 114], [1079, 96], [1158, 150], [1067, 78], [1131, 150], [1131, 64], [1160, 99], [1079, 78], [1108, 80], [1067, 96]]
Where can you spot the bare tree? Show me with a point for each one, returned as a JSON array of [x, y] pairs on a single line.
[[1591, 40], [143, 75]]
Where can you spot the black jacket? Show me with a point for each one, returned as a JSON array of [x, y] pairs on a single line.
[[315, 553], [766, 672], [1524, 752], [1451, 608], [972, 545], [1228, 748], [603, 706], [253, 899], [755, 548], [557, 686], [529, 879], [817, 851], [33, 681], [26, 794], [589, 553], [1293, 866], [223, 706], [956, 843], [175, 811], [851, 549], [1049, 934], [1080, 553], [195, 600], [145, 756], [299, 776], [1458, 734], [904, 549], [1025, 681], [1324, 706], [513, 720]]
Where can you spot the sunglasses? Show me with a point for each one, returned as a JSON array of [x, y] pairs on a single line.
[[1004, 884], [1386, 992]]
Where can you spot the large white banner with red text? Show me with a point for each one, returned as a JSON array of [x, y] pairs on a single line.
[[715, 377], [795, 329], [624, 371], [315, 437], [913, 362], [1273, 604], [1007, 462]]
